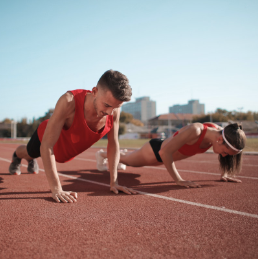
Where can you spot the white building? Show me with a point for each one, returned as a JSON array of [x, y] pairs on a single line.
[[193, 107], [142, 109]]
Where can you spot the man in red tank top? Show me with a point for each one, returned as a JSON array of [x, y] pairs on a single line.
[[79, 120]]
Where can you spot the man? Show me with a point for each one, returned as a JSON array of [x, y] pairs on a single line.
[[80, 119]]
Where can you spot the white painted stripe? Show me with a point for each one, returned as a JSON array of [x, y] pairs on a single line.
[[157, 168], [213, 162], [181, 170], [6, 160], [197, 172], [85, 159], [8, 148], [160, 196], [202, 205]]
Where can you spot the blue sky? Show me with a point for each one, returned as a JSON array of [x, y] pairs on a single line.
[[172, 51]]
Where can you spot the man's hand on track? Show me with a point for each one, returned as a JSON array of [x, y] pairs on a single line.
[[188, 184], [116, 188], [65, 197]]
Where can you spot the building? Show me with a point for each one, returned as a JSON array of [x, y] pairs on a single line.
[[193, 107], [169, 123], [142, 109]]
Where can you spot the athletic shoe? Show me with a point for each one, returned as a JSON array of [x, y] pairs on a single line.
[[33, 167], [123, 151], [101, 161], [104, 167], [121, 166], [14, 167]]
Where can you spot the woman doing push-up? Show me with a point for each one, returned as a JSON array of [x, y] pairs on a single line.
[[188, 141]]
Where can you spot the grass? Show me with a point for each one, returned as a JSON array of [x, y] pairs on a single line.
[[124, 143], [251, 144]]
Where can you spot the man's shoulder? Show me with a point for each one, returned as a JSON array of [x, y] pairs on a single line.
[[79, 91], [66, 102]]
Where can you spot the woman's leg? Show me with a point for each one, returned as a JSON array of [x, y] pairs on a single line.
[[140, 157]]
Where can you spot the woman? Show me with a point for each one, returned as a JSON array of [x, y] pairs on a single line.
[[188, 141]]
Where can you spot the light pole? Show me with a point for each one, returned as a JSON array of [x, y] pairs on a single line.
[[13, 129], [169, 125], [210, 116]]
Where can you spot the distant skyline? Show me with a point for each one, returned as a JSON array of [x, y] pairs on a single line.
[[172, 51]]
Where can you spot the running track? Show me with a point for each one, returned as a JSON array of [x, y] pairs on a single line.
[[219, 220]]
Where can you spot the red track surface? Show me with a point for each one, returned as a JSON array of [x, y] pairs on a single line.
[[221, 221]]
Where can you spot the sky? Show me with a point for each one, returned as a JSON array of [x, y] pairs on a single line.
[[170, 50]]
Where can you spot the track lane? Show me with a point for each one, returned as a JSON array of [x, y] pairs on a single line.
[[102, 224]]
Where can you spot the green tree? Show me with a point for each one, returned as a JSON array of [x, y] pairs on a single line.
[[122, 129], [137, 122], [222, 115], [126, 117], [47, 115]]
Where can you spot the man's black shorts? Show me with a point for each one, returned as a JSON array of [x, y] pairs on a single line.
[[33, 146]]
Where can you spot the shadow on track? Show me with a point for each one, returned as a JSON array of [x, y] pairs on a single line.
[[125, 178]]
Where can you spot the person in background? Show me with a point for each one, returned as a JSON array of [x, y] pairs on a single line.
[[188, 141]]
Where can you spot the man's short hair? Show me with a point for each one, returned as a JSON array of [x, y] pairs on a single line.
[[117, 83]]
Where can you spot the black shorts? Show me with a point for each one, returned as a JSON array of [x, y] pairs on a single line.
[[33, 146], [155, 145]]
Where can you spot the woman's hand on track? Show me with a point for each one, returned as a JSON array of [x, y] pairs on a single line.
[[188, 184], [116, 188], [65, 197], [230, 179]]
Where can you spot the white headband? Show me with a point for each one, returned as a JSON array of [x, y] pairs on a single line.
[[223, 135]]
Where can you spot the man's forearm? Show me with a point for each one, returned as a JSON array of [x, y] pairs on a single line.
[[49, 163], [113, 160]]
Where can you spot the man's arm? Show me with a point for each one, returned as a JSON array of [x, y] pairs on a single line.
[[64, 108], [113, 155]]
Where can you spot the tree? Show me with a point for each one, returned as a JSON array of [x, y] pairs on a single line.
[[222, 115], [122, 129], [126, 117], [47, 115], [137, 122], [7, 121]]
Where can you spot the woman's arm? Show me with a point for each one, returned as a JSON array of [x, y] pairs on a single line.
[[191, 133]]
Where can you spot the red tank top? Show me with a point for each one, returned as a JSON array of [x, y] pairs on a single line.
[[79, 136], [190, 150]]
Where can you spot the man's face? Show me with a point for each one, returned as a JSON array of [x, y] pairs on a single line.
[[105, 103]]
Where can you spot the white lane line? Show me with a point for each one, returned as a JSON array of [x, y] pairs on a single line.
[[85, 159], [158, 196], [213, 162], [6, 160], [181, 170], [201, 205], [156, 168], [8, 148], [185, 161], [197, 172]]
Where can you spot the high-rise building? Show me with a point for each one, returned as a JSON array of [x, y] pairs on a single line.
[[142, 109], [193, 107]]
